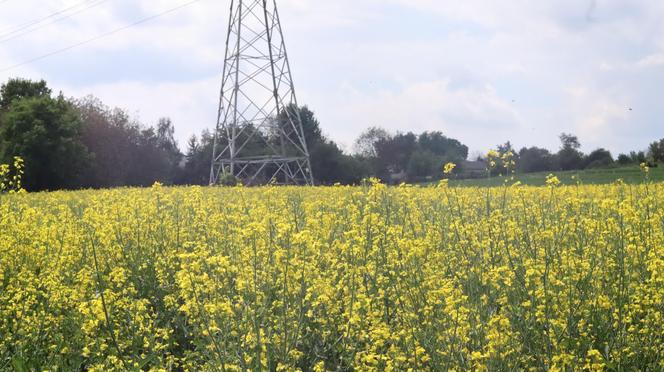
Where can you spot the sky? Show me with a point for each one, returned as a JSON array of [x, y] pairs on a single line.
[[481, 71]]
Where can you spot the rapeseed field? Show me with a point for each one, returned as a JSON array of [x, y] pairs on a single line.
[[339, 278]]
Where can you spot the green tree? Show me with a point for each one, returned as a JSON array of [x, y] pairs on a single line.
[[569, 157], [624, 159], [424, 164], [449, 149], [198, 158], [109, 136], [638, 157], [599, 158], [16, 89], [365, 145], [329, 164], [433, 150], [125, 152], [535, 159], [45, 132], [656, 151], [502, 150], [394, 153], [310, 126], [419, 157], [168, 146]]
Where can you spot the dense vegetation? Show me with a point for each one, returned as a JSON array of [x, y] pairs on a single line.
[[81, 143], [337, 278]]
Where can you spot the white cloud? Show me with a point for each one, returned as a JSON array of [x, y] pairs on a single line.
[[596, 114], [653, 60]]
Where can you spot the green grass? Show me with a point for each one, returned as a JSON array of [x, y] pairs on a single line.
[[630, 175]]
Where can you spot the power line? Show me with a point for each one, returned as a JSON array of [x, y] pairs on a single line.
[[115, 31], [38, 20], [17, 33]]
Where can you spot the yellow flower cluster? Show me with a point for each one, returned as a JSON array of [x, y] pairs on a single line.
[[552, 180], [449, 168], [10, 177], [339, 278]]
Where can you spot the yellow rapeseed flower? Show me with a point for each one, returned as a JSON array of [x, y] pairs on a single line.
[[449, 168], [333, 278]]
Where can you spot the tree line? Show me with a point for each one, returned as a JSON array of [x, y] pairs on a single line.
[[69, 143], [569, 157]]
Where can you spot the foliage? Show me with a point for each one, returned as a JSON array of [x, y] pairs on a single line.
[[440, 145], [569, 157], [423, 164], [600, 158], [196, 169], [535, 159], [419, 157], [45, 132], [337, 278], [624, 159], [365, 144], [503, 150], [310, 125], [394, 153], [656, 151], [638, 157], [329, 164], [125, 152], [17, 89]]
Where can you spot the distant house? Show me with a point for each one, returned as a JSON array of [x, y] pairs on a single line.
[[473, 169]]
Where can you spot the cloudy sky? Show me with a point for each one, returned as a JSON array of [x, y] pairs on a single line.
[[482, 71]]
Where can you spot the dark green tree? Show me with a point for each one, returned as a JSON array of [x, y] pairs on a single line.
[[535, 159], [110, 136], [449, 149], [46, 132], [656, 151], [638, 157], [125, 152], [624, 159], [17, 89], [502, 150], [424, 164], [394, 153], [599, 158], [569, 157], [198, 158], [329, 164], [310, 126], [166, 143], [433, 150]]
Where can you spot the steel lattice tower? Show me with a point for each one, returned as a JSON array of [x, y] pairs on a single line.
[[259, 136]]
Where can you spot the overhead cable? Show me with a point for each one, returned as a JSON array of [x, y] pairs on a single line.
[[101, 36]]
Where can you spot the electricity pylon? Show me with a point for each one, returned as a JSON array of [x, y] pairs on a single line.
[[259, 136]]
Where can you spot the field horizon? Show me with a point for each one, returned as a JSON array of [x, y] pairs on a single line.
[[601, 176]]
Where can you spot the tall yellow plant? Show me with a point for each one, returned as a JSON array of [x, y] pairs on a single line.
[[11, 176]]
